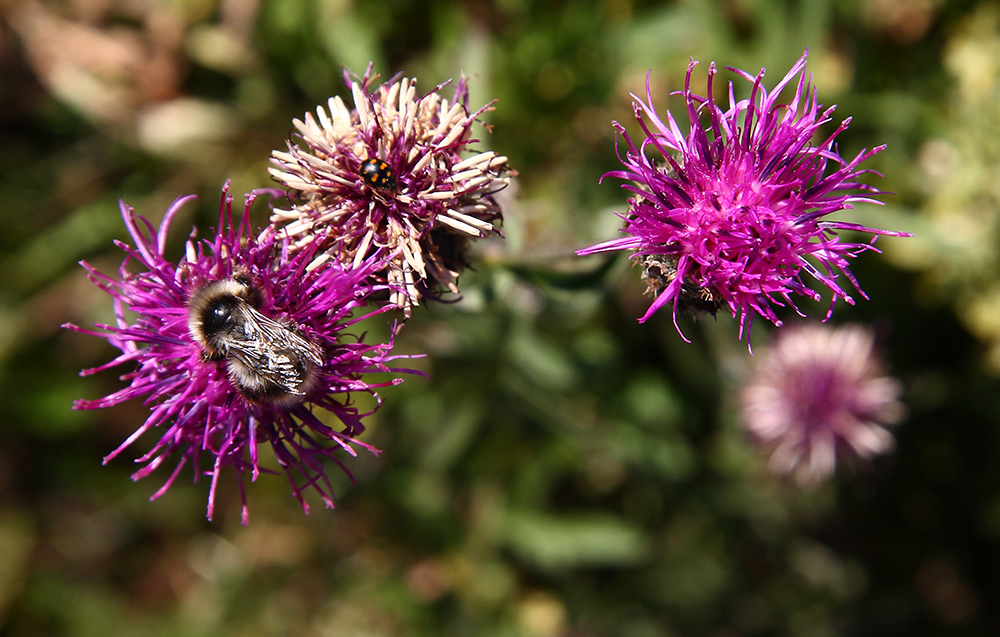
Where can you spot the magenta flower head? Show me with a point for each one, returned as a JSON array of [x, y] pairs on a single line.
[[238, 344], [819, 394], [394, 176], [734, 212]]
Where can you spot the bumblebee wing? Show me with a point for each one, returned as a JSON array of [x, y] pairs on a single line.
[[270, 359]]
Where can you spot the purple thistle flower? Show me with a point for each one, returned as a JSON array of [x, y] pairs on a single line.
[[389, 177], [818, 394], [734, 211], [278, 322]]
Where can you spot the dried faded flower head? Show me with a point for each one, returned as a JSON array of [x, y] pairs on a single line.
[[818, 395], [395, 177]]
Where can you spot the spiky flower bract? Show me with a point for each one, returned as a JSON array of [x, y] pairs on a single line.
[[205, 419], [394, 176], [737, 206], [818, 395]]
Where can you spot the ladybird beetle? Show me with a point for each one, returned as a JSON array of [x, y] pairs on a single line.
[[377, 174]]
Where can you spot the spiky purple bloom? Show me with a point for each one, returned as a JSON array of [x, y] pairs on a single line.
[[736, 208], [819, 394], [202, 414], [423, 199]]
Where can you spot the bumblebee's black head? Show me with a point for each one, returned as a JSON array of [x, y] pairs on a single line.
[[219, 315], [215, 311]]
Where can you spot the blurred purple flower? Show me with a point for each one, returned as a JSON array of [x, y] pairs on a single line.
[[198, 399], [818, 394], [734, 210], [390, 177]]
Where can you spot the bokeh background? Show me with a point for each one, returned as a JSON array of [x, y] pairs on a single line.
[[563, 470]]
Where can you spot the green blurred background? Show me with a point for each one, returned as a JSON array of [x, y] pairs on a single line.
[[564, 470]]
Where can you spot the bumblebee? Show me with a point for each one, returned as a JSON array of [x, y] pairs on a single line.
[[659, 271], [268, 361]]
